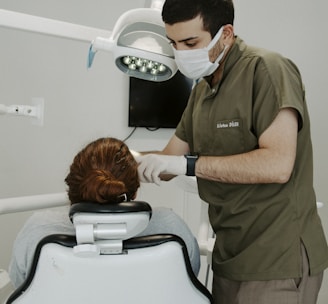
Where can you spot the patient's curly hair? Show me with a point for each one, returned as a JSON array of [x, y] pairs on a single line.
[[103, 172]]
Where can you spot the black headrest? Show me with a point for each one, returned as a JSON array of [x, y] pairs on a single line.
[[123, 207]]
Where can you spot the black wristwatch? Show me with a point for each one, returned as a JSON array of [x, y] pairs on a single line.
[[191, 162]]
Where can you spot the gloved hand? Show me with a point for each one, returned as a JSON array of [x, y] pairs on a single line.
[[152, 165]]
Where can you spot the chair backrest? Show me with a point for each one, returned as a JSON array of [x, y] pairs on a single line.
[[149, 269]]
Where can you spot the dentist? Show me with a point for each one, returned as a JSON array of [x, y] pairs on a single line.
[[245, 135]]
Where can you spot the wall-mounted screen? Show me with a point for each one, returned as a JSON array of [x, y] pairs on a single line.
[[158, 104]]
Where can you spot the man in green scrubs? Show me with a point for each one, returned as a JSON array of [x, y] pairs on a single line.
[[245, 135]]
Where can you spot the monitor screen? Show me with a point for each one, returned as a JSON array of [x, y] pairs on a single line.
[[158, 104]]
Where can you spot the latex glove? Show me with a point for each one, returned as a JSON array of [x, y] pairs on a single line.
[[151, 166]]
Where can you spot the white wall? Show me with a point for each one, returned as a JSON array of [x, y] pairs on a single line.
[[81, 104]]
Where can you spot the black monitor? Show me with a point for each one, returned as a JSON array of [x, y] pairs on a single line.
[[158, 104]]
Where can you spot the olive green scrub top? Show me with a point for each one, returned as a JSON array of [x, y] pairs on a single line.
[[259, 227]]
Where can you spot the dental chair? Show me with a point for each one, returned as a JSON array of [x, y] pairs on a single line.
[[106, 263]]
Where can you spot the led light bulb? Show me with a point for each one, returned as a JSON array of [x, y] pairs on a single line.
[[162, 68], [127, 60], [150, 64], [143, 69], [132, 66], [139, 62]]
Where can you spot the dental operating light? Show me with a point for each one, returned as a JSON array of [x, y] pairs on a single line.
[[138, 41], [139, 46]]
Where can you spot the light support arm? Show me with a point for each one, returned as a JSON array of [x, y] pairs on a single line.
[[50, 27]]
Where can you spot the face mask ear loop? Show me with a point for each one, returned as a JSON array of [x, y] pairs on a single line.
[[221, 55], [215, 39]]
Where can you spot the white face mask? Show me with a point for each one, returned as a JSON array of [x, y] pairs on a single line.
[[195, 63]]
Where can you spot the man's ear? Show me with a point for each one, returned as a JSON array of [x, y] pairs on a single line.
[[228, 32]]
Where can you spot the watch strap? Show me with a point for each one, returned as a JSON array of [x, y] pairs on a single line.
[[191, 163]]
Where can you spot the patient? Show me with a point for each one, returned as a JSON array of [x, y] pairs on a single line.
[[104, 172]]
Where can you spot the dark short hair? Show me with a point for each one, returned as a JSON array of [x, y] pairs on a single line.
[[215, 13]]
